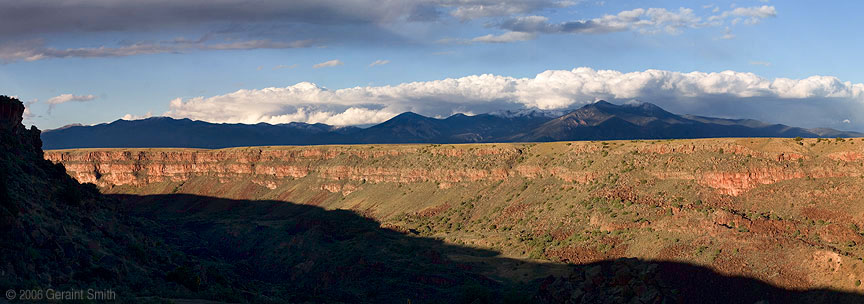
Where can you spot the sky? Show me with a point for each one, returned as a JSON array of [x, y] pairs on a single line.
[[358, 62]]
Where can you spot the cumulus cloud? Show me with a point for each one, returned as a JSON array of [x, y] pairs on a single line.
[[330, 63], [64, 98], [379, 62], [728, 93], [747, 15]]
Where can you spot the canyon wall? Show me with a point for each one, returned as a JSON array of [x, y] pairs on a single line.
[[728, 166], [786, 211]]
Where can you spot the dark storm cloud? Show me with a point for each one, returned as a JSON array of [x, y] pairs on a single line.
[[50, 16], [28, 28], [22, 18]]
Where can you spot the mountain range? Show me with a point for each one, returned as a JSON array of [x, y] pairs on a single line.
[[597, 121]]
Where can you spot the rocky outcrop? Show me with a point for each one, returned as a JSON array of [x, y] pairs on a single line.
[[736, 183], [11, 112], [847, 156]]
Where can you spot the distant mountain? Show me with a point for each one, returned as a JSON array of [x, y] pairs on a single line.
[[597, 121], [603, 120], [168, 132]]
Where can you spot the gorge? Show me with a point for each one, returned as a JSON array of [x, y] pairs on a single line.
[[733, 205]]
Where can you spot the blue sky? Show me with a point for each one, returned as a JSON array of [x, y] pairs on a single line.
[[95, 61]]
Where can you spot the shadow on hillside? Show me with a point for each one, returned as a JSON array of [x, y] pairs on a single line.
[[283, 251]]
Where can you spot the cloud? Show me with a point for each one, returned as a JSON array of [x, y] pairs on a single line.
[[326, 64], [648, 21], [30, 17], [812, 101], [379, 62], [48, 16], [273, 24], [64, 98], [27, 113], [32, 50], [762, 63], [136, 117], [244, 25], [728, 34], [751, 15], [280, 67], [473, 9], [639, 20], [505, 38]]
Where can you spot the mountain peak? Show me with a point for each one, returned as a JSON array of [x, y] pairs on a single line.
[[603, 103], [409, 114]]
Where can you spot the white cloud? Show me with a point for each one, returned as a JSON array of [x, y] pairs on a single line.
[[505, 38], [762, 63], [727, 93], [64, 98], [640, 20], [137, 117], [331, 63], [27, 113], [379, 62], [756, 13], [846, 121], [745, 15]]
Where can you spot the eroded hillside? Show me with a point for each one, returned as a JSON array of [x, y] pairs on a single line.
[[785, 211]]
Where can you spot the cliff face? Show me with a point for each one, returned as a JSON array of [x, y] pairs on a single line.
[[763, 208], [727, 166]]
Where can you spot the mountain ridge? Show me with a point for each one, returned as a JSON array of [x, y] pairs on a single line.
[[597, 121]]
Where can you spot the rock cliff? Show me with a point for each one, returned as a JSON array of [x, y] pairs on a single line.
[[729, 166]]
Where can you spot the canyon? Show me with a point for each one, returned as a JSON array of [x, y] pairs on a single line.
[[785, 211]]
